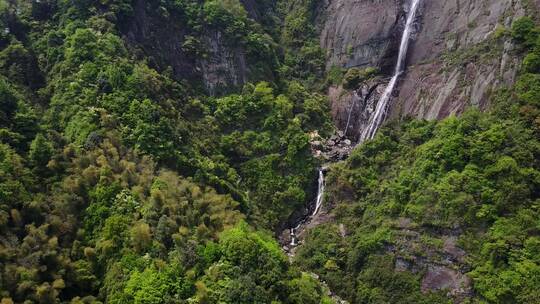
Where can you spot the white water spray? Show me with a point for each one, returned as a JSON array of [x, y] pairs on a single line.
[[293, 237], [380, 111], [320, 194]]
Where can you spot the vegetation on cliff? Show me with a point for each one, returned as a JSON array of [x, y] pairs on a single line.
[[123, 180], [405, 196], [121, 183]]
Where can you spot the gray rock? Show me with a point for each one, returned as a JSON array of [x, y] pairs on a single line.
[[359, 33], [224, 66], [443, 278], [450, 247], [342, 230], [365, 33], [433, 87], [402, 265], [316, 144]]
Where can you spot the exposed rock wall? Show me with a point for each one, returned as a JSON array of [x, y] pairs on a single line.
[[453, 61], [358, 33], [459, 56], [161, 37], [154, 37], [225, 66], [456, 60], [351, 110]]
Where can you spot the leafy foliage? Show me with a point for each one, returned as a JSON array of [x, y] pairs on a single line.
[[121, 182]]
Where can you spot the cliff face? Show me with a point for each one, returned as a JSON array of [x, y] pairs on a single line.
[[453, 61], [458, 57], [207, 59], [360, 33]]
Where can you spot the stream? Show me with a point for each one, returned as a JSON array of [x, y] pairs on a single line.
[[318, 205], [375, 121]]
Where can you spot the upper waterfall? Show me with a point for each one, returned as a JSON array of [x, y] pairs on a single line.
[[380, 111]]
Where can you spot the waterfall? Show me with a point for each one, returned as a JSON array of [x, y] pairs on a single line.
[[293, 237], [380, 111], [320, 193], [318, 205]]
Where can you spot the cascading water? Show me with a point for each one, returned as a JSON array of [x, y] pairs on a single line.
[[376, 119], [320, 194], [380, 111], [318, 205]]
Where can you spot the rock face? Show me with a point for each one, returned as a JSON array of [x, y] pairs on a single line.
[[454, 60], [351, 109], [360, 33], [152, 33], [457, 58], [224, 66], [161, 36], [443, 266], [443, 278], [336, 148]]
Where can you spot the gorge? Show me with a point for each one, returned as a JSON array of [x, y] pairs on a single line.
[[375, 121], [269, 151]]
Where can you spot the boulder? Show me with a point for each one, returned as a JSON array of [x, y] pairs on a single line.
[[443, 278]]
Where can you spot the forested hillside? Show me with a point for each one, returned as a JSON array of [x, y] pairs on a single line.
[[119, 177], [152, 152], [441, 212]]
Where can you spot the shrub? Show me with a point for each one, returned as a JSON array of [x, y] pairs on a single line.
[[524, 31], [531, 63]]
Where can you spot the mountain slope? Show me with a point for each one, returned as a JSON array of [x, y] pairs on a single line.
[[150, 152], [123, 179], [441, 211]]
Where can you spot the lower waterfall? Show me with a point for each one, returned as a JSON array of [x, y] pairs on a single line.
[[318, 205]]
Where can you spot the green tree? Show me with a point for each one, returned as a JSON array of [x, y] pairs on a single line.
[[40, 152], [524, 31]]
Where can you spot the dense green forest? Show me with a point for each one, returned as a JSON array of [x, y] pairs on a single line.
[[124, 181], [120, 183]]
